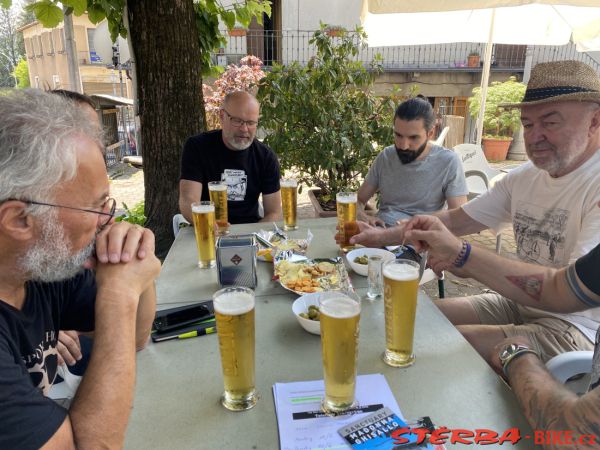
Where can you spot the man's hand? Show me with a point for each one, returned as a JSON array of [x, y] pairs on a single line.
[[429, 233], [122, 241], [495, 356], [368, 235], [374, 221], [129, 249], [69, 348]]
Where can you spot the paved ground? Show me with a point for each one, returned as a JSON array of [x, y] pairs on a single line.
[[127, 187]]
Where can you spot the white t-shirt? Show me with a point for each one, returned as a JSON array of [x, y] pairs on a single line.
[[555, 220]]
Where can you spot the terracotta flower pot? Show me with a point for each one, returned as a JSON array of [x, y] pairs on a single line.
[[236, 32], [496, 149]]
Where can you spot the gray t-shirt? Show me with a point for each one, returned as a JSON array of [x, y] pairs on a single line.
[[419, 187]]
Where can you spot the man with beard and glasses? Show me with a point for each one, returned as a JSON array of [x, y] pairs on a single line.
[[413, 176], [551, 202], [65, 265], [232, 155]]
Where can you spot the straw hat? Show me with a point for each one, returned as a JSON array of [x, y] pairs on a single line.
[[560, 81]]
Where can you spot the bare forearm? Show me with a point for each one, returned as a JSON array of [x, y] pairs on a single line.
[[459, 222], [101, 407], [550, 406], [185, 208], [145, 316], [271, 217], [527, 284]]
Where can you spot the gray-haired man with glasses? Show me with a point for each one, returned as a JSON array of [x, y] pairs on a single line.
[[65, 265], [232, 155]]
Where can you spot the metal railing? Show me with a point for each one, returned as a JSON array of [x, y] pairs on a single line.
[[287, 46]]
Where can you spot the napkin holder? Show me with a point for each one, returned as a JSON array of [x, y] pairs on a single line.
[[236, 260]]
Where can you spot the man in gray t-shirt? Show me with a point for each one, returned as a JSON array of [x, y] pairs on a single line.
[[413, 176]]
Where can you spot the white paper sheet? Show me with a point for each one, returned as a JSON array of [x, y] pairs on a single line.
[[302, 424]]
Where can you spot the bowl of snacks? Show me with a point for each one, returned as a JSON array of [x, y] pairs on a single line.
[[359, 258], [306, 310]]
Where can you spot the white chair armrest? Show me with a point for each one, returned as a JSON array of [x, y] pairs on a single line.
[[178, 219], [567, 364]]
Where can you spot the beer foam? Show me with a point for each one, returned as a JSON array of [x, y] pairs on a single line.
[[347, 198], [233, 303], [401, 272], [339, 307], [217, 187], [288, 183], [203, 208]]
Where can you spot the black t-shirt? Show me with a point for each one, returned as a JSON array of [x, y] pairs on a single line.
[[588, 270], [248, 173], [28, 356]]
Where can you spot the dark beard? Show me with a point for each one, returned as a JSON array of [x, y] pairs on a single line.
[[408, 156]]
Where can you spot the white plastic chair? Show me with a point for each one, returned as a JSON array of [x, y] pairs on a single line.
[[178, 220], [569, 364], [442, 137], [480, 176]]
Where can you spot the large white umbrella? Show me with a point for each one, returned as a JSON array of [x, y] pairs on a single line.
[[415, 22]]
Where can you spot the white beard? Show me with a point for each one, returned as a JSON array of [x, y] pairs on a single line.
[[50, 259]]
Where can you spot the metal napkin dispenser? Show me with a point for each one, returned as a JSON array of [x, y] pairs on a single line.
[[236, 260]]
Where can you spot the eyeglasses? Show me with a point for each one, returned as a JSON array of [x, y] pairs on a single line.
[[110, 204], [237, 122]]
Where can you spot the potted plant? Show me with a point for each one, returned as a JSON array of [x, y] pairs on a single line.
[[237, 32], [323, 119], [499, 124], [473, 59], [335, 30]]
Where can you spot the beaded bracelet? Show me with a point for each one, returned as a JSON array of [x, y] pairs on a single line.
[[463, 255]]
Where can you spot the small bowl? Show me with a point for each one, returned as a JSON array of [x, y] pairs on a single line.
[[362, 269], [301, 306]]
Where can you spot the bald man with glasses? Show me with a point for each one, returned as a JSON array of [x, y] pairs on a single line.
[[234, 156]]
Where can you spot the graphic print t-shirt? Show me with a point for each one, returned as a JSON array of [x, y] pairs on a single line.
[[247, 173], [28, 356]]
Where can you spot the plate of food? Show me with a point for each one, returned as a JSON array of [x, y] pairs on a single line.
[[312, 275]]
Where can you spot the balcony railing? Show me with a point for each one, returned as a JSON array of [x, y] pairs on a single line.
[[287, 46]]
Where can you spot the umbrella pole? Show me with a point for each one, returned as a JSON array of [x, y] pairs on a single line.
[[485, 78]]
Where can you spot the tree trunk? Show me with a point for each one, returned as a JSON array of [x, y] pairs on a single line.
[[164, 38]]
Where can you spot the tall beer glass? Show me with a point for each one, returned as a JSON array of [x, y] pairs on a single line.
[[401, 282], [346, 214], [339, 317], [289, 194], [218, 195], [203, 215], [234, 313]]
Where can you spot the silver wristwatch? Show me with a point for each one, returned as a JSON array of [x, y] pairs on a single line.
[[512, 351]]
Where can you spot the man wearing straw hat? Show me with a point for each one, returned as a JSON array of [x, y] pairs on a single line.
[[551, 203]]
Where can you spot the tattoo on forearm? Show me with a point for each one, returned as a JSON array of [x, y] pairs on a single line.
[[530, 284], [548, 405]]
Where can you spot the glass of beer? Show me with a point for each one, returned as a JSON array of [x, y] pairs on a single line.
[[234, 313], [339, 318], [401, 282], [203, 215], [218, 195], [289, 194], [346, 214]]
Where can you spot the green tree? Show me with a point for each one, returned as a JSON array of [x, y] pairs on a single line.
[[323, 119], [11, 45], [170, 41], [22, 74]]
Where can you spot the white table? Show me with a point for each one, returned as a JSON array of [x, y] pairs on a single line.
[[179, 382]]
